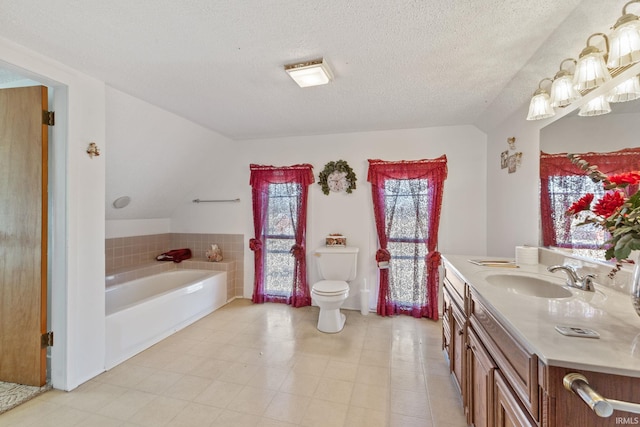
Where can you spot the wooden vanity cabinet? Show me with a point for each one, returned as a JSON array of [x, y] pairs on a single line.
[[497, 377]]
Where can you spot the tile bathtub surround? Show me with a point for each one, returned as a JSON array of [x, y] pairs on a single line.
[[268, 365], [129, 258]]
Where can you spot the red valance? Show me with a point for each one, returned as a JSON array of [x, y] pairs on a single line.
[[381, 170], [265, 174], [624, 160]]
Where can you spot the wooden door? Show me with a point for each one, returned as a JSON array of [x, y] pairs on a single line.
[[23, 235]]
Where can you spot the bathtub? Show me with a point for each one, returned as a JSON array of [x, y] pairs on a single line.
[[144, 311]]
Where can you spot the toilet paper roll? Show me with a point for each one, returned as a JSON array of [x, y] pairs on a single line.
[[526, 255]]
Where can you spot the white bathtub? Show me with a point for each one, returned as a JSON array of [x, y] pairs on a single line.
[[142, 312]]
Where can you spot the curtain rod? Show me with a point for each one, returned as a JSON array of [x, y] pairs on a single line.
[[215, 201]]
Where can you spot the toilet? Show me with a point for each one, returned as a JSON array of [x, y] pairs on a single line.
[[337, 265]]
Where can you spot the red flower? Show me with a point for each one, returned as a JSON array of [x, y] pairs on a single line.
[[627, 178], [609, 204], [581, 205]]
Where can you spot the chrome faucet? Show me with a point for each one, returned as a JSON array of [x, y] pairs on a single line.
[[573, 278]]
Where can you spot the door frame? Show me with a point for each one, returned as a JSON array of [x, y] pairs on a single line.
[[57, 227]]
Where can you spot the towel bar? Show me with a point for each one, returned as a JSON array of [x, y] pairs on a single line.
[[215, 201], [603, 407]]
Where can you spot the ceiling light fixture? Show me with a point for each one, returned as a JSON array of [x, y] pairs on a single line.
[[625, 40], [310, 73], [562, 91], [540, 106]]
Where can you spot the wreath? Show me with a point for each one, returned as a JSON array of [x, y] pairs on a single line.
[[339, 166]]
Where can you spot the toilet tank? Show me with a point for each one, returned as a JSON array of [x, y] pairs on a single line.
[[337, 262]]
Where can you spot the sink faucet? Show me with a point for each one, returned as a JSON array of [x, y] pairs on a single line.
[[573, 279]]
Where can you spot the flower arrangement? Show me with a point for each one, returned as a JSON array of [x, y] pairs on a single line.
[[617, 212]]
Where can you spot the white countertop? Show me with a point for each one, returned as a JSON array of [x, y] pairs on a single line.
[[532, 320]]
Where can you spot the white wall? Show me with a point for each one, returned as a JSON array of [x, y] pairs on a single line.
[[462, 228], [77, 268], [513, 199]]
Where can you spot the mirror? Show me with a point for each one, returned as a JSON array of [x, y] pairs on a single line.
[[610, 132]]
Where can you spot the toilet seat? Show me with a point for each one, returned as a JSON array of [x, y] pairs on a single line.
[[330, 287]]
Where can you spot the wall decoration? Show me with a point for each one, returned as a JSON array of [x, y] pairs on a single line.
[[508, 160], [337, 177], [93, 150]]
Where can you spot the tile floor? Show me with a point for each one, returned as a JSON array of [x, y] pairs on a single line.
[[267, 365]]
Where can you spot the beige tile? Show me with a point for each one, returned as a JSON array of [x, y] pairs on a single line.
[[370, 397], [373, 375], [195, 415], [125, 406], [322, 413], [363, 417], [219, 394], [287, 407], [336, 391], [340, 370], [236, 419], [251, 400], [408, 380], [239, 373], [269, 377], [159, 382], [158, 412], [300, 384], [410, 403], [267, 365], [268, 422], [376, 358], [187, 387]]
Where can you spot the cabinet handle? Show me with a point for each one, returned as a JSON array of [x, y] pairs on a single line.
[[460, 332], [578, 384]]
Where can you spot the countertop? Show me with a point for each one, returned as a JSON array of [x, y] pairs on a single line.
[[532, 319]]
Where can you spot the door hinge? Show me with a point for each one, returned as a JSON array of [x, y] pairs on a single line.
[[47, 339], [49, 118]]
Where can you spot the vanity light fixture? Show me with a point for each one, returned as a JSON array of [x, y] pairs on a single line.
[[625, 40], [540, 105], [591, 70], [310, 73], [563, 92], [596, 107], [628, 90]]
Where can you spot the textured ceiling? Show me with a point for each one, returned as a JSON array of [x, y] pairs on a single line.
[[397, 64]]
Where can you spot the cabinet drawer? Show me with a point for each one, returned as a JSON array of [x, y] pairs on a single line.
[[456, 287], [518, 365]]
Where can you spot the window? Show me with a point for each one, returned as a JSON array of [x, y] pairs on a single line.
[[279, 238], [407, 196], [279, 197], [407, 215]]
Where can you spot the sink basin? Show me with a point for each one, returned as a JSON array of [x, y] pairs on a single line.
[[528, 285]]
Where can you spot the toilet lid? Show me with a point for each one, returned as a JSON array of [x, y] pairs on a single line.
[[330, 287]]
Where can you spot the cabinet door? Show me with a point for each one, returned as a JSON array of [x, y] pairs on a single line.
[[480, 384], [457, 350], [508, 410]]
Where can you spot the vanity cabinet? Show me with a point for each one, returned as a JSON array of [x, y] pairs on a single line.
[[497, 377], [501, 379]]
